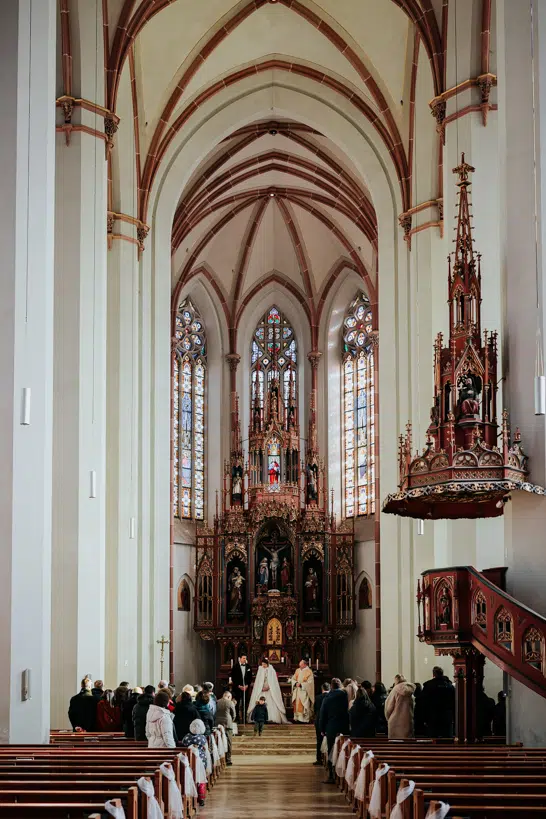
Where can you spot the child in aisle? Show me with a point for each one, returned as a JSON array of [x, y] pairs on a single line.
[[259, 716]]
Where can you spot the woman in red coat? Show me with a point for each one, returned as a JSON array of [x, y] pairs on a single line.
[[108, 714]]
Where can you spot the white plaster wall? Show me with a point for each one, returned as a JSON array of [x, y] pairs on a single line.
[[357, 655], [194, 659]]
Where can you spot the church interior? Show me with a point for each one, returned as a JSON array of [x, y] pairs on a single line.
[[272, 357]]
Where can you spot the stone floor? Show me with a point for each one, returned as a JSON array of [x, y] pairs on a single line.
[[275, 783]]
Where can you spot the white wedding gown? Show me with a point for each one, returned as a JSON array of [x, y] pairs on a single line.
[[267, 685]]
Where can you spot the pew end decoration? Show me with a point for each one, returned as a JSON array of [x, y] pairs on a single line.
[[470, 464]]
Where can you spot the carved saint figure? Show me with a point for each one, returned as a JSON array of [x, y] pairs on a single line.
[[444, 608], [312, 488], [236, 582], [263, 572], [469, 390], [285, 574], [237, 484], [311, 590]]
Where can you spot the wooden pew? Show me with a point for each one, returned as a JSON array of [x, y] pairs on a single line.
[[479, 780]]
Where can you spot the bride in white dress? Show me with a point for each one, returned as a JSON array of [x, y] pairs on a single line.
[[266, 685]]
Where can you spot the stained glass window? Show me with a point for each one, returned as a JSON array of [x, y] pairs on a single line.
[[189, 382], [358, 388], [273, 355]]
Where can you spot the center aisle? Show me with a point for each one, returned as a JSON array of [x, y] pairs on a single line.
[[273, 776]]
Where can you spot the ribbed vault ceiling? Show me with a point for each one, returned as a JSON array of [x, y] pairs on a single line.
[[276, 199]]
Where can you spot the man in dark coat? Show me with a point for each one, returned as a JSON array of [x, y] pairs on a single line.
[[334, 719], [185, 713], [82, 711], [127, 713], [499, 715], [438, 704], [140, 712], [241, 676], [98, 689], [325, 689]]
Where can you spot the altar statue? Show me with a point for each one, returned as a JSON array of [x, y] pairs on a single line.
[[236, 582], [303, 692], [275, 563], [263, 572], [311, 590], [266, 685], [285, 574]]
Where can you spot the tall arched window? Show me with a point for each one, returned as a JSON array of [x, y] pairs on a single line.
[[189, 376], [273, 355], [358, 409]]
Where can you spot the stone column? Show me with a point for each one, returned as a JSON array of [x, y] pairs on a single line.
[[525, 516], [123, 570], [27, 170], [79, 432]]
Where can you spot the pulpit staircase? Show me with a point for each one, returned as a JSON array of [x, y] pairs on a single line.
[[469, 616]]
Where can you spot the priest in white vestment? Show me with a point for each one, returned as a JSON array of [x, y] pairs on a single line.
[[303, 693], [267, 685]]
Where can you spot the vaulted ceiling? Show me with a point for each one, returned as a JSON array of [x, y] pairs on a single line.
[[276, 199]]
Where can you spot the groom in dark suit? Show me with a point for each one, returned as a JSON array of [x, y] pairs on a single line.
[[241, 677]]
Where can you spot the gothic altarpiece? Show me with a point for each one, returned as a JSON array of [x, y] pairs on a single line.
[[275, 574]]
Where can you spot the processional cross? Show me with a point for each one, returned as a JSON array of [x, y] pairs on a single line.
[[163, 642]]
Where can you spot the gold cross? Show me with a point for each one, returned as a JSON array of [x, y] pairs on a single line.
[[163, 642]]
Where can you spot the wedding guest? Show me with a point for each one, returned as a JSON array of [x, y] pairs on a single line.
[[334, 719], [184, 714], [324, 691], [82, 711], [399, 709], [127, 713], [499, 715], [159, 723], [196, 737], [202, 705], [140, 712], [362, 716], [108, 713], [378, 697], [438, 704], [351, 687], [225, 715]]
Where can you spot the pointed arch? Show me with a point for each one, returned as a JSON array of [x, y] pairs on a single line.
[[183, 596]]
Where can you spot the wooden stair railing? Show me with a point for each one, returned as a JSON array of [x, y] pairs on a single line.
[[468, 615]]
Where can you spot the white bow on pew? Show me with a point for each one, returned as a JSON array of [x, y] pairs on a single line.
[[220, 742], [189, 782], [359, 787], [224, 738], [215, 753], [334, 753], [209, 760], [401, 796], [374, 808], [350, 772], [439, 813], [114, 810], [324, 746], [154, 810], [200, 770], [176, 808], [341, 763]]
